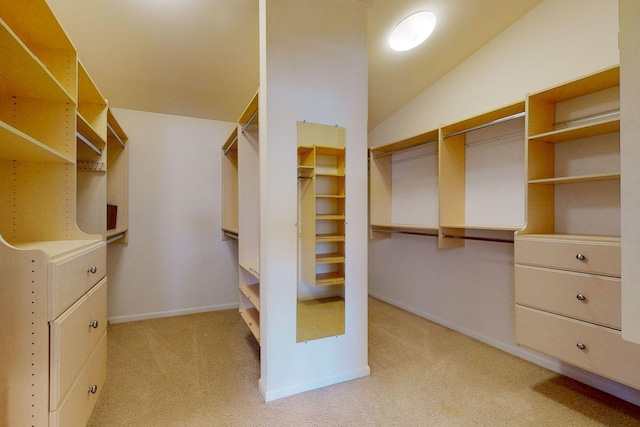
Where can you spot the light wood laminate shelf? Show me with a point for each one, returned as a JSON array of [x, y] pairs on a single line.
[[482, 227], [251, 316], [577, 179], [329, 279], [55, 248], [578, 132], [252, 267], [334, 258], [329, 238], [18, 146], [571, 237], [252, 292]]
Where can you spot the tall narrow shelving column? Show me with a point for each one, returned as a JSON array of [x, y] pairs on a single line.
[[568, 256], [249, 217]]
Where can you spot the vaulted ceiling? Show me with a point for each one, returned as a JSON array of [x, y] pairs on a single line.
[[200, 58]]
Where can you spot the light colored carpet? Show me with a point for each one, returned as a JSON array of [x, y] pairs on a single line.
[[203, 370]]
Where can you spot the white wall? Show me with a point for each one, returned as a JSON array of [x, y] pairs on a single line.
[[175, 261], [471, 289], [314, 68]]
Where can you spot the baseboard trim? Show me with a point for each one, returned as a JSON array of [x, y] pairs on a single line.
[[170, 313], [270, 395], [621, 391]]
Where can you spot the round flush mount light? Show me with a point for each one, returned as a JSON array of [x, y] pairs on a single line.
[[412, 31]]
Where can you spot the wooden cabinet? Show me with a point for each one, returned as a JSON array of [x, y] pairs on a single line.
[[322, 198], [568, 255], [53, 184]]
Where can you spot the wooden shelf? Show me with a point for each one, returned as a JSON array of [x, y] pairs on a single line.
[[252, 292], [329, 279], [251, 316], [16, 145], [577, 179], [406, 144], [407, 227], [329, 258], [570, 237], [114, 130], [329, 238], [23, 75], [252, 267], [576, 88], [55, 248], [89, 133], [482, 227], [329, 217], [578, 132], [251, 111]]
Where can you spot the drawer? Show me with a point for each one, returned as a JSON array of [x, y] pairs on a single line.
[[76, 408], [598, 257], [74, 336], [582, 296], [72, 275], [605, 352]]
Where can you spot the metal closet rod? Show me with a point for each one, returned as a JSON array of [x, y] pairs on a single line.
[[113, 132], [89, 144], [589, 118], [253, 116], [482, 239], [231, 145], [416, 233], [482, 126], [233, 236], [400, 150]]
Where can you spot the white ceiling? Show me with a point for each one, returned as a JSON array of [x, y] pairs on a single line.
[[200, 58]]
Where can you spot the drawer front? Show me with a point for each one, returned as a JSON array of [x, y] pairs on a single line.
[[70, 277], [605, 352], [597, 257], [582, 296], [76, 408], [74, 336]]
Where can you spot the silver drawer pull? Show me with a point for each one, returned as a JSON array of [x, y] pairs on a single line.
[[94, 324], [93, 270], [581, 346], [93, 389], [581, 297], [580, 257]]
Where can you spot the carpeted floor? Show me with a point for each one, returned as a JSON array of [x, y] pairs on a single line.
[[203, 370]]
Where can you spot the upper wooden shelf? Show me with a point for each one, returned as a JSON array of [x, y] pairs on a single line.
[[92, 110], [23, 75], [407, 227], [578, 132], [591, 83], [114, 130], [484, 119], [482, 227], [252, 292], [406, 144], [577, 179], [16, 145], [252, 267], [250, 113]]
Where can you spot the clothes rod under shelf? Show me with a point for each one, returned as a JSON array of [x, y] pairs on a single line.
[[231, 145], [589, 118], [491, 123], [89, 144], [400, 150], [233, 236], [253, 116], [482, 239], [113, 132], [416, 233]]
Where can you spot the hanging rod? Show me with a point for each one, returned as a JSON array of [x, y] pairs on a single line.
[[305, 177], [400, 150], [233, 236], [114, 238], [253, 116], [592, 117], [482, 239], [115, 134], [89, 144], [491, 123], [231, 145], [416, 233]]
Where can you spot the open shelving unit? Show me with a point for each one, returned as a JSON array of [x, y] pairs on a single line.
[[322, 197], [567, 258], [481, 167], [403, 179], [117, 179], [241, 210]]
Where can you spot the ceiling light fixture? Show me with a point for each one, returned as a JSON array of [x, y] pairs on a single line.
[[412, 31]]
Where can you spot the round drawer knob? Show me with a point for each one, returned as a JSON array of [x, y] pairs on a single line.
[[580, 257], [93, 389], [581, 346], [94, 324], [581, 297], [93, 270]]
